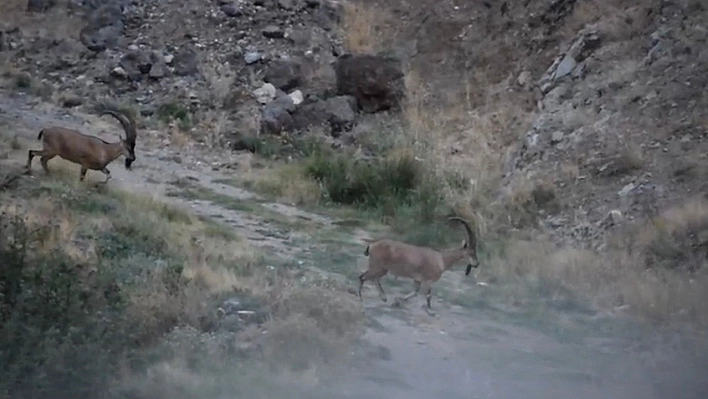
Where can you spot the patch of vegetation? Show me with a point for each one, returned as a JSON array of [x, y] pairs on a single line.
[[387, 184], [168, 112], [99, 288]]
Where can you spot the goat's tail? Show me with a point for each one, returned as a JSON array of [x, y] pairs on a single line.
[[41, 132], [366, 252]]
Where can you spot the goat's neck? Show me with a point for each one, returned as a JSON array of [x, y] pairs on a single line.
[[113, 151], [452, 256]]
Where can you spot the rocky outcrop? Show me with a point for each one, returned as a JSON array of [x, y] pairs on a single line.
[[375, 81]]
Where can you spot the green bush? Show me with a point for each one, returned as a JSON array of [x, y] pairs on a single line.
[[387, 184], [65, 331], [173, 111]]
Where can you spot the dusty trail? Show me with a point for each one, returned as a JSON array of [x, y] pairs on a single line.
[[460, 352]]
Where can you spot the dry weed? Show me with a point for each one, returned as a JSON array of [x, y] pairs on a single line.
[[609, 281], [366, 29]]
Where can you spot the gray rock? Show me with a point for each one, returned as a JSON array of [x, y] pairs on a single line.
[[565, 67], [285, 102], [136, 64], [275, 119], [273, 32], [231, 10], [186, 62], [71, 101], [266, 93], [375, 81], [158, 69], [557, 137], [626, 190], [568, 63], [341, 113], [284, 74], [288, 4], [119, 72], [252, 57], [297, 97]]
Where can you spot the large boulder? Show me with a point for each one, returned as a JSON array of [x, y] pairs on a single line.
[[339, 113], [285, 74], [375, 81], [276, 116]]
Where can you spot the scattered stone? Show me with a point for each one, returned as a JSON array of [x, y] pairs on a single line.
[[266, 93], [615, 216], [557, 137], [297, 97], [119, 72], [524, 79], [341, 114], [273, 32], [232, 10], [71, 101], [626, 190], [252, 57]]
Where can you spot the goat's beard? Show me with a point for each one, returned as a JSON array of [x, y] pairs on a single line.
[[128, 163]]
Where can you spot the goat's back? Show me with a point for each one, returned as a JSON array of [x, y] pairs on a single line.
[[73, 146], [405, 260]]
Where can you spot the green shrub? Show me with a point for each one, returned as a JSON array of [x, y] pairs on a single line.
[[168, 112], [376, 183]]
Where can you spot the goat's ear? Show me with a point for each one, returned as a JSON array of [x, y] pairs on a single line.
[[464, 243]]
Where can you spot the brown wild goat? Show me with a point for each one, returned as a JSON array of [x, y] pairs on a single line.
[[423, 265], [90, 152]]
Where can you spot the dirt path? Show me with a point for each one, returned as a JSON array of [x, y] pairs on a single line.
[[461, 352]]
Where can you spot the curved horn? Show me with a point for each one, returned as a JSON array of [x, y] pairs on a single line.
[[126, 121], [471, 237]]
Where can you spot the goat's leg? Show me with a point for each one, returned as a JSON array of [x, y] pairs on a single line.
[[82, 174], [46, 158], [362, 278], [381, 291], [412, 294], [30, 156], [428, 292], [107, 173]]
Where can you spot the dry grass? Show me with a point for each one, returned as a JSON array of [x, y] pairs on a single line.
[[642, 271], [366, 29], [304, 333]]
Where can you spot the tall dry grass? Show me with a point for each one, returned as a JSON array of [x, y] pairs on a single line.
[[366, 29]]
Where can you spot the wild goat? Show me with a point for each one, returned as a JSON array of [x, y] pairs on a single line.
[[423, 265], [90, 152]]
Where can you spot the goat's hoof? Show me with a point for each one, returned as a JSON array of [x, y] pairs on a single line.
[[384, 300], [397, 303]]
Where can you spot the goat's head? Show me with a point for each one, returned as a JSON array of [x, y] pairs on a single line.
[[127, 142], [469, 245]]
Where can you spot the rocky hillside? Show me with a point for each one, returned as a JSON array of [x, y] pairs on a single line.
[[250, 66], [582, 114]]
